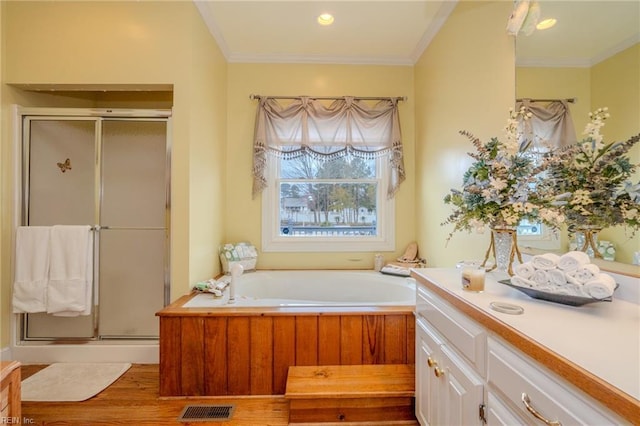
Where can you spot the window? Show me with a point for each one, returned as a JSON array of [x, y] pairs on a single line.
[[331, 205], [327, 173], [550, 126]]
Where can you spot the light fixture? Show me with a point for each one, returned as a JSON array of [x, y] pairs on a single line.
[[325, 19], [546, 24]]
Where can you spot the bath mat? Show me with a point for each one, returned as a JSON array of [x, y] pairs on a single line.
[[71, 381]]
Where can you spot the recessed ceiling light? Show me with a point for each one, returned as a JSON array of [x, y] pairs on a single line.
[[325, 19], [546, 24]]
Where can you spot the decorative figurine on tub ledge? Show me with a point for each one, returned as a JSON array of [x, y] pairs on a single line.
[[410, 259]]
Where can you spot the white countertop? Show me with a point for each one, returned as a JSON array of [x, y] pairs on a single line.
[[602, 338]]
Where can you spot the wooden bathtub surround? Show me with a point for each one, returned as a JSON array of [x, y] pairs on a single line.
[[248, 351], [10, 391], [351, 393]]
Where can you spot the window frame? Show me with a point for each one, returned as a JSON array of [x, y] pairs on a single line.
[[272, 241], [547, 240]]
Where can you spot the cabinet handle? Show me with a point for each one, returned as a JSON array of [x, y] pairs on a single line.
[[527, 403], [431, 362], [438, 372]]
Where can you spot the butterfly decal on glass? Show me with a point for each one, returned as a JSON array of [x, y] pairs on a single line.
[[65, 166]]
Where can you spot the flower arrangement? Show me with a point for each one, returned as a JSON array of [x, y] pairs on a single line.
[[590, 181], [497, 188]]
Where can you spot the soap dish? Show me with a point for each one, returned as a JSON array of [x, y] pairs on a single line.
[[564, 299]]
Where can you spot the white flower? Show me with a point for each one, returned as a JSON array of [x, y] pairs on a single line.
[[592, 129], [552, 216], [497, 183], [510, 217], [512, 130]]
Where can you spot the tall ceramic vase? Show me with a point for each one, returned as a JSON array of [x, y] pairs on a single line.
[[504, 248]]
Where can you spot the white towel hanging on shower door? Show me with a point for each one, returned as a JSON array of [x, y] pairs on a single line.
[[69, 292], [31, 269]]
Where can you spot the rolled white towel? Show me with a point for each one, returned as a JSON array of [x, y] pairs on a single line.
[[557, 277], [524, 270], [585, 273], [540, 278], [569, 290], [545, 261], [522, 282], [573, 260], [572, 280], [600, 287]]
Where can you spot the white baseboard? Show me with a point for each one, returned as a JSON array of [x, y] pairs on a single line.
[[5, 354], [47, 353]]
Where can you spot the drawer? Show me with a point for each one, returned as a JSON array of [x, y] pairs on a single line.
[[515, 377], [432, 340], [468, 338], [498, 413]]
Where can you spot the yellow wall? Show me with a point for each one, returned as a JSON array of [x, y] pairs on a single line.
[[106, 44], [243, 215], [558, 83], [464, 81], [612, 83], [616, 85]]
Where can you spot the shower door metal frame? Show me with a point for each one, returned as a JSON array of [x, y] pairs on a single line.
[[98, 116]]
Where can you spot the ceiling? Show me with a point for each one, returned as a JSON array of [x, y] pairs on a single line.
[[397, 32], [364, 32], [587, 32]]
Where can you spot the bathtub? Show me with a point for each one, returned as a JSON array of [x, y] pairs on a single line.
[[283, 318], [313, 288]]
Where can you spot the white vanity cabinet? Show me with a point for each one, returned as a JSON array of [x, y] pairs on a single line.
[[449, 388], [533, 392], [468, 372]]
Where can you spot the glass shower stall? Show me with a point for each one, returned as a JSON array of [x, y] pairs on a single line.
[[109, 169]]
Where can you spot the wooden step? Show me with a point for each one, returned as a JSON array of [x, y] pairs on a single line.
[[345, 394]]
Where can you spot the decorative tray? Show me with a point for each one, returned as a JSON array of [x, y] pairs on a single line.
[[557, 298]]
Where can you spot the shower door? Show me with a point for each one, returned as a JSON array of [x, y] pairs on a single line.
[[111, 173]]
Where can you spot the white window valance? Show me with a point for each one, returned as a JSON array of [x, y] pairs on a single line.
[[346, 127], [550, 125]]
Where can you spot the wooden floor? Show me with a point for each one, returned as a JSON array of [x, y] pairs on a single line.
[[133, 400]]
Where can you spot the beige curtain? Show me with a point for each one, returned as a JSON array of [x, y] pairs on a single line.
[[347, 126], [550, 125]]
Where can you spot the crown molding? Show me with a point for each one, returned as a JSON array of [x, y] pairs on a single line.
[[613, 50], [318, 59], [214, 30], [439, 19], [579, 62], [554, 63]]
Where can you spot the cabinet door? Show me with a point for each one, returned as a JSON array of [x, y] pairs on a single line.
[[427, 393], [463, 392]]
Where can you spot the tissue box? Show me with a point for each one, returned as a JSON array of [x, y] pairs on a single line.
[[243, 253]]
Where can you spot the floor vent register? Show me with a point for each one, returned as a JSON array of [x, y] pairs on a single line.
[[206, 413]]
